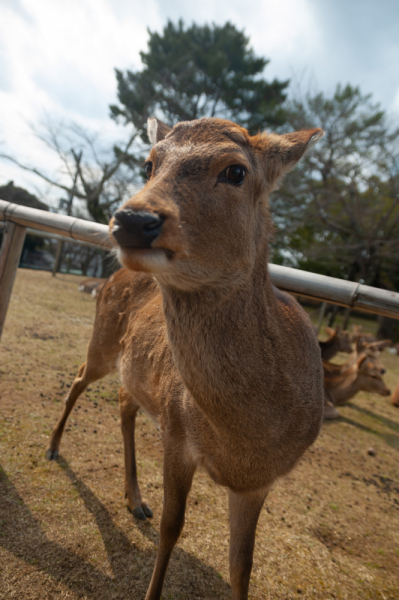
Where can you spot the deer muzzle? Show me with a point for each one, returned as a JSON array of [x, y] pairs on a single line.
[[136, 229]]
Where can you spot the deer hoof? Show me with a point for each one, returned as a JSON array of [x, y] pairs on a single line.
[[147, 510], [330, 412], [139, 513], [51, 454]]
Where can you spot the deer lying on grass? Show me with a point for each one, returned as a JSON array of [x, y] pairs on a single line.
[[341, 383], [362, 344], [228, 365], [91, 286], [339, 341], [363, 338], [395, 395]]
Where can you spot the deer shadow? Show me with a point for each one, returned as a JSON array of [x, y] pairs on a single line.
[[390, 438], [383, 420], [22, 535]]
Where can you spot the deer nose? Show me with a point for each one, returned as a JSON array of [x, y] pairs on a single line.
[[136, 228], [383, 371]]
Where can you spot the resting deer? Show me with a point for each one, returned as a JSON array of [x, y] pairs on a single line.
[[339, 341], [341, 383], [395, 395], [91, 286], [362, 344], [364, 339], [228, 365]]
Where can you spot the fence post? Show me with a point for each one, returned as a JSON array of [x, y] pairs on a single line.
[[321, 316], [10, 253]]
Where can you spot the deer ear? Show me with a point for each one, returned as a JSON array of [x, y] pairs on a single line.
[[330, 331], [381, 344], [282, 152], [157, 130], [360, 359]]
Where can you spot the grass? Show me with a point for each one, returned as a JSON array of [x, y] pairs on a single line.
[[330, 529]]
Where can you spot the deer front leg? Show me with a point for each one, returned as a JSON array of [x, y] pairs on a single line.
[[178, 476], [244, 509], [128, 410]]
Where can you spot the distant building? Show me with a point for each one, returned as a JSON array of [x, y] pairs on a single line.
[[39, 250]]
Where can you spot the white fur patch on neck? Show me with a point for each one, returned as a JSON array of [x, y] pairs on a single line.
[[152, 127]]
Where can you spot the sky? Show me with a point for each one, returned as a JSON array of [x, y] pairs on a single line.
[[57, 58]]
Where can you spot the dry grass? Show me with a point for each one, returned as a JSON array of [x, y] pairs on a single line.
[[329, 530]]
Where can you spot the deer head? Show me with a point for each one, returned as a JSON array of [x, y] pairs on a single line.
[[202, 217], [370, 372], [341, 338]]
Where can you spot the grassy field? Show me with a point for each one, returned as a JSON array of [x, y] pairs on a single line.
[[328, 530]]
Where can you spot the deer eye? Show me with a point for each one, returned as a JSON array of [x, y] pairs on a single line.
[[148, 169], [234, 174]]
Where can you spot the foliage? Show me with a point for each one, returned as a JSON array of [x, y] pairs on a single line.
[[338, 211], [200, 71]]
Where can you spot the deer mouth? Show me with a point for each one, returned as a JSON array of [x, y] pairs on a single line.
[[136, 234], [385, 393], [149, 260]]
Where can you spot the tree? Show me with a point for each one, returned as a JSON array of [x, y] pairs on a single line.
[[99, 174], [338, 212], [200, 71]]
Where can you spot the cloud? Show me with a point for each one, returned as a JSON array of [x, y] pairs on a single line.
[[59, 57]]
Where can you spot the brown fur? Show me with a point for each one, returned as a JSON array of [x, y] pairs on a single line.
[[228, 365], [395, 395]]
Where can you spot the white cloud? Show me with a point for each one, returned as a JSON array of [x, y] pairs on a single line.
[[59, 57]]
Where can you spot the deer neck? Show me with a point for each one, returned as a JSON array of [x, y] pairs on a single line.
[[219, 339], [345, 390]]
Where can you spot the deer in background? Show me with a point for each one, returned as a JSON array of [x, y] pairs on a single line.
[[339, 341], [227, 364], [91, 286], [363, 372], [363, 344], [362, 338], [395, 395]]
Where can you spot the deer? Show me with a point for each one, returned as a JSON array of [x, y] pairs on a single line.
[[395, 396], [339, 341], [364, 344], [228, 365], [91, 286], [364, 339], [341, 383]]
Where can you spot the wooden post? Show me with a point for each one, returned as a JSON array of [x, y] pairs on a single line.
[[347, 317], [58, 256], [321, 316], [10, 254]]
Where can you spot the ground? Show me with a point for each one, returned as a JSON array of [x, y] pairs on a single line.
[[328, 530]]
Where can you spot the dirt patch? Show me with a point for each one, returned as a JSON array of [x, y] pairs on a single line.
[[328, 530]]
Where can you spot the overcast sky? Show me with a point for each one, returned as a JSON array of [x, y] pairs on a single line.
[[58, 58]]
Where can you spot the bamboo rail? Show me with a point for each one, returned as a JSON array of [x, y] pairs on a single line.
[[304, 283]]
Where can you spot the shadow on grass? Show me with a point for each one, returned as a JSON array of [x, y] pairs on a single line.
[[383, 420], [390, 438], [23, 535]]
